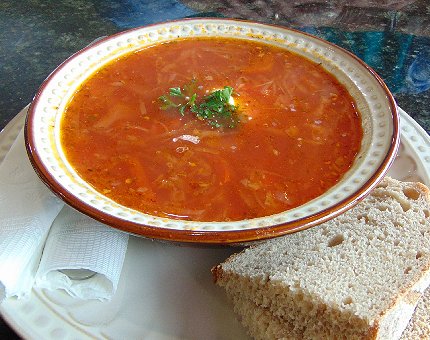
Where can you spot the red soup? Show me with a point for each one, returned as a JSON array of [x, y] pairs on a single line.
[[139, 130]]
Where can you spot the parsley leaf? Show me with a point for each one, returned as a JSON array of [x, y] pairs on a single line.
[[215, 108], [167, 103], [175, 92]]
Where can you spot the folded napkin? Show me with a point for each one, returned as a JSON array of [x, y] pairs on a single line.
[[76, 244], [82, 256], [27, 209]]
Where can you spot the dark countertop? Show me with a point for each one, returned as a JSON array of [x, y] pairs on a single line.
[[393, 37]]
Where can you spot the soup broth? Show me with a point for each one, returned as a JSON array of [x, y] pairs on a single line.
[[298, 131]]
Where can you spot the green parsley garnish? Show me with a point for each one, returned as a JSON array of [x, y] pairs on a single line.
[[215, 108]]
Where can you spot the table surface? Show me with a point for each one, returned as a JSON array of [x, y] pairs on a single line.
[[393, 37]]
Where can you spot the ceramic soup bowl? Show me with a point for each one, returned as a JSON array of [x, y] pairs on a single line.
[[379, 119]]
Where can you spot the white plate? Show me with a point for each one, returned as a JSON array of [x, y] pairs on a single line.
[[165, 291]]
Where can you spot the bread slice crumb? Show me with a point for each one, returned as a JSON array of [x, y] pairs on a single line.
[[419, 325], [358, 276]]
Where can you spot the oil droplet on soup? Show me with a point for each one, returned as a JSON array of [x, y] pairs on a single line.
[[300, 133]]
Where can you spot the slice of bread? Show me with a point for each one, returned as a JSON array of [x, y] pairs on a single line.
[[261, 324], [419, 326], [358, 276]]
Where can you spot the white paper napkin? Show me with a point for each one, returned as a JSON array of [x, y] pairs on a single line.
[[27, 209], [75, 245]]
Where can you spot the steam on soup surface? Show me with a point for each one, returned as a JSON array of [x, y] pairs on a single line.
[[298, 131]]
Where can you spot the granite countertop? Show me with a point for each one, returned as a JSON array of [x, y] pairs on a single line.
[[393, 37]]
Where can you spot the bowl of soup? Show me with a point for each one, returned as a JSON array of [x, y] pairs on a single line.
[[212, 131]]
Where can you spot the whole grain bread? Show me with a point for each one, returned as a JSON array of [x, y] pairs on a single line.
[[261, 324], [358, 276]]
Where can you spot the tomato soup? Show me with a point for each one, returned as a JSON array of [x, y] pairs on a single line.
[[298, 131]]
